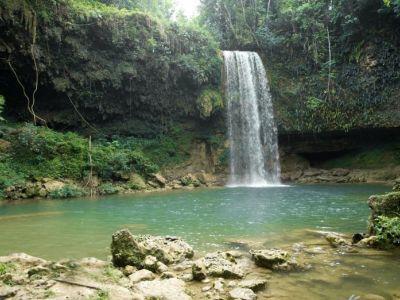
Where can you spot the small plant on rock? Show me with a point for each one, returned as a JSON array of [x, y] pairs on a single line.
[[388, 231]]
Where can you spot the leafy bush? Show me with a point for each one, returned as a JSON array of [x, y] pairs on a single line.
[[108, 189], [68, 191], [28, 152], [8, 175], [114, 159], [388, 231], [42, 152]]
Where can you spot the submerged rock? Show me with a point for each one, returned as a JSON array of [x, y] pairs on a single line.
[[371, 241], [242, 294], [337, 240], [218, 264], [167, 289], [127, 249], [255, 285]]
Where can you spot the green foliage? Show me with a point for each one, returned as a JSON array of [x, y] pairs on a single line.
[[186, 181], [28, 152], [125, 59], [6, 268], [224, 158], [113, 159], [393, 5], [8, 175], [136, 182], [216, 141], [49, 294], [209, 102], [354, 87], [172, 148], [388, 231], [234, 23], [68, 191], [101, 295], [41, 152], [108, 189], [2, 103]]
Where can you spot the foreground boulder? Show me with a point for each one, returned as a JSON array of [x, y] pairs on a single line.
[[167, 289], [127, 249], [218, 264]]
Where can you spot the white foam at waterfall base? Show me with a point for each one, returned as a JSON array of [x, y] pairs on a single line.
[[254, 153]]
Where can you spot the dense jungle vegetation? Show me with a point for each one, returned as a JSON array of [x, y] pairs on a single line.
[[332, 64], [116, 68]]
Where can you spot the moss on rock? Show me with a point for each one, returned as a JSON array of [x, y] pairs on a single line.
[[209, 102], [387, 205], [384, 222]]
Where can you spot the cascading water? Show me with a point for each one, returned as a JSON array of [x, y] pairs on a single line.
[[254, 156]]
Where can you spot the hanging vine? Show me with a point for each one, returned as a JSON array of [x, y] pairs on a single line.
[[29, 18]]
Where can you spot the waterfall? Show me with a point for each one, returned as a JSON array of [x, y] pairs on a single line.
[[254, 156]]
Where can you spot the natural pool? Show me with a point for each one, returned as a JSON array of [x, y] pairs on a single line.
[[207, 219], [223, 219]]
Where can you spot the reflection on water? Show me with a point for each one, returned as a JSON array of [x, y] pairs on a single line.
[[216, 219]]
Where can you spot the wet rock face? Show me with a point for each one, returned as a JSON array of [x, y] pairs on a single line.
[[127, 249]]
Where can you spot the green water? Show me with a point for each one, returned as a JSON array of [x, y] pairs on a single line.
[[207, 219]]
